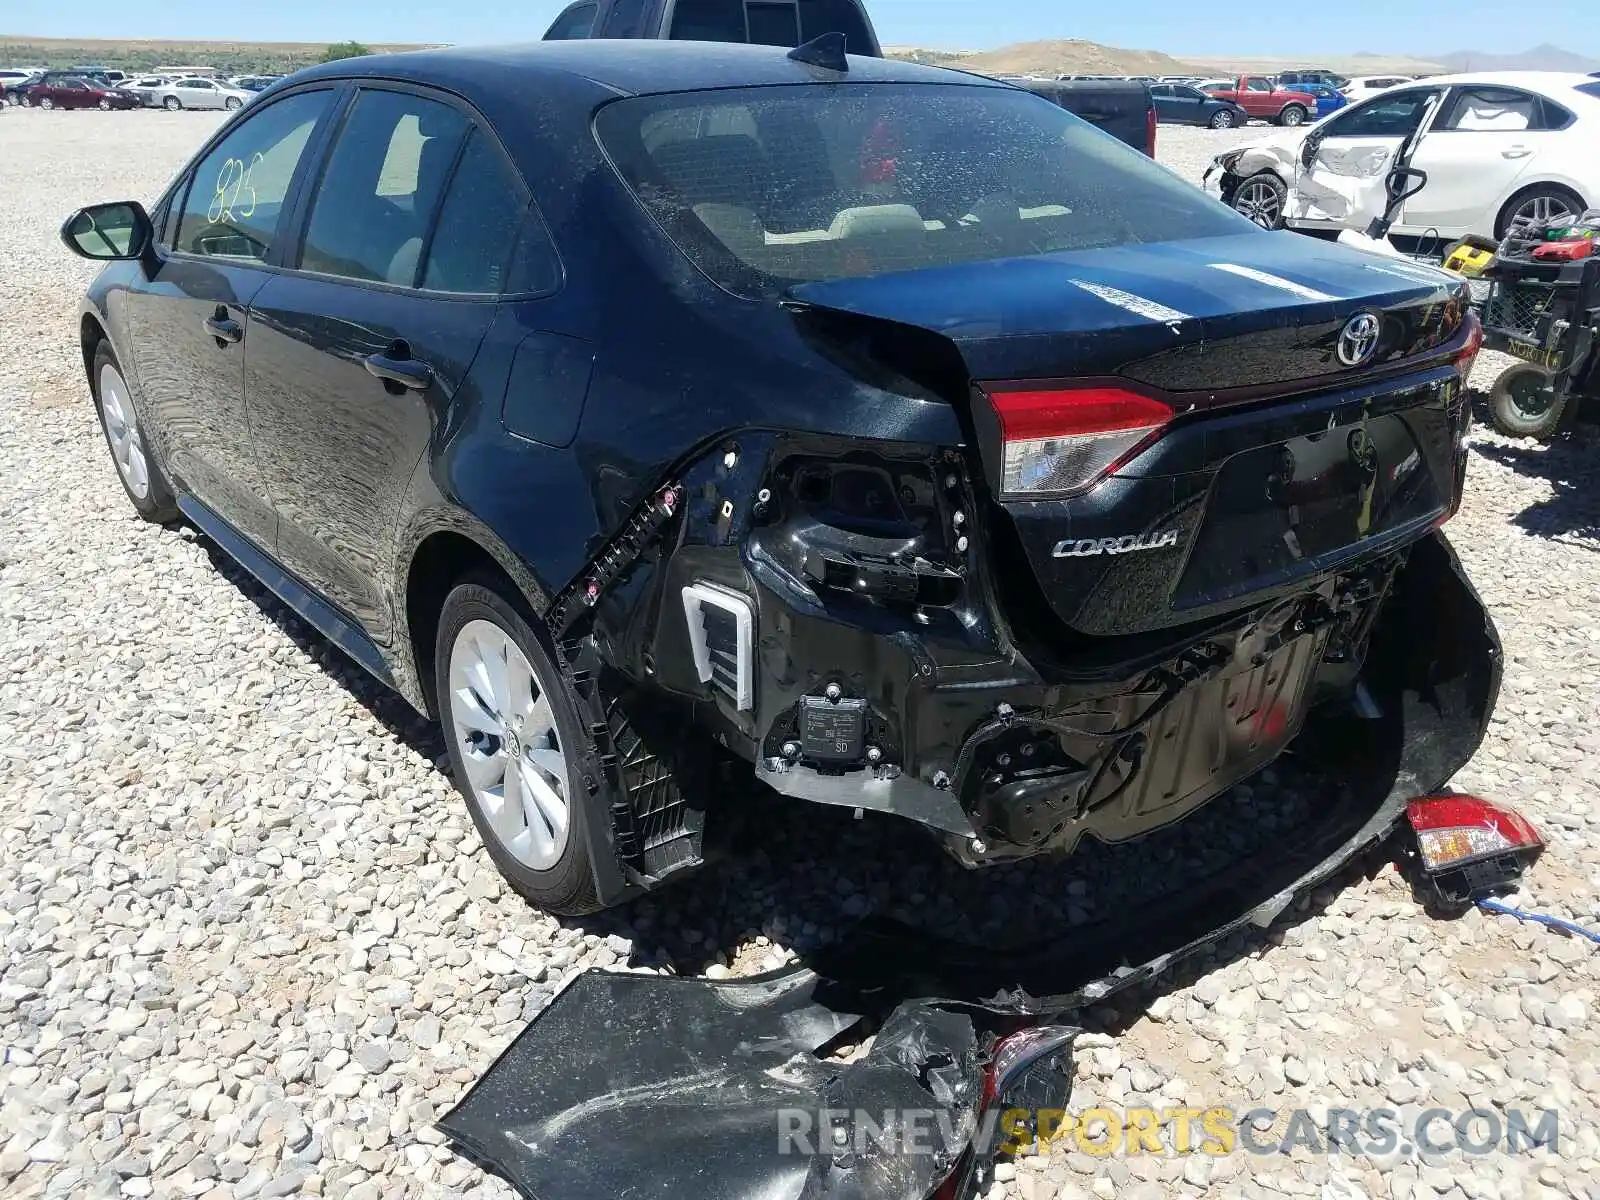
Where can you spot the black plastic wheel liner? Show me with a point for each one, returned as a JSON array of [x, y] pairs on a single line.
[[637, 1085]]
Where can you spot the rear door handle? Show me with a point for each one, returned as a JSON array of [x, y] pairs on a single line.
[[1516, 152], [405, 371], [223, 327]]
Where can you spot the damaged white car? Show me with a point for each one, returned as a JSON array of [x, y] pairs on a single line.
[[1493, 147]]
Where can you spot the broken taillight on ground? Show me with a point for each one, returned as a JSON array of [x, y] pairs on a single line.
[[1469, 848]]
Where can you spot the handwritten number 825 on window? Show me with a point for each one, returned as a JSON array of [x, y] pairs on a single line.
[[233, 185]]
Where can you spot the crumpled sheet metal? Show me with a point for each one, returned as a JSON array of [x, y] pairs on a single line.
[[1347, 187], [633, 1085]]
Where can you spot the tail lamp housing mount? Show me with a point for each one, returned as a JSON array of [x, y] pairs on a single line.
[[1468, 848]]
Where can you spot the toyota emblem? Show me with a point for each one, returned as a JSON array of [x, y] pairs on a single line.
[[1358, 341]]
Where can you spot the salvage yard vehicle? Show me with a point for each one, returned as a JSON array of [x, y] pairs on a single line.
[[1329, 98], [1363, 87], [1184, 105], [1125, 110], [199, 93], [58, 89], [762, 22], [1493, 147], [881, 432], [1264, 100]]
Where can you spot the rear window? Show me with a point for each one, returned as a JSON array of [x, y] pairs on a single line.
[[764, 188]]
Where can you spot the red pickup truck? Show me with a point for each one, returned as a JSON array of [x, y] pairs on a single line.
[[1264, 100]]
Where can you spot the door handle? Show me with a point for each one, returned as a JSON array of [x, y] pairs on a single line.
[[223, 327], [398, 367], [1516, 152]]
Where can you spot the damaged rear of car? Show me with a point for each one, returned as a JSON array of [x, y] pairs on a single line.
[[1084, 498], [884, 434]]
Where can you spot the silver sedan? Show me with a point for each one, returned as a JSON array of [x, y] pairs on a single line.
[[199, 93]]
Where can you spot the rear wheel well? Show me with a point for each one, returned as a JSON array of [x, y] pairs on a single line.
[[1502, 221], [443, 560]]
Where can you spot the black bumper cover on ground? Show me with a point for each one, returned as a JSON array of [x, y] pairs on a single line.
[[642, 1085]]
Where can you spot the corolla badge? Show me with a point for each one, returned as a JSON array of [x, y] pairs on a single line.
[[1089, 547], [1358, 341]]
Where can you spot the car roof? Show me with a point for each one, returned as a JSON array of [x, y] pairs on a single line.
[[1537, 80], [623, 67]]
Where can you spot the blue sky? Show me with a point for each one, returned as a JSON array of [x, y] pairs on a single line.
[[1176, 26]]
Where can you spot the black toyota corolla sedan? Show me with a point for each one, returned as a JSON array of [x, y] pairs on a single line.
[[638, 409]]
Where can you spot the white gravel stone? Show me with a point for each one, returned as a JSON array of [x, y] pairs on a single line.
[[236, 887]]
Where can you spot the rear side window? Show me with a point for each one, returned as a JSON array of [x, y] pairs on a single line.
[[236, 194], [1498, 110], [384, 178], [836, 16], [576, 22], [708, 21], [1589, 89], [477, 235], [767, 187], [773, 24]]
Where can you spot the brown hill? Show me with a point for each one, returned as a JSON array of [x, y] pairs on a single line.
[[231, 57], [1063, 56]]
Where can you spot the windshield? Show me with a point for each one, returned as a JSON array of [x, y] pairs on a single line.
[[767, 187]]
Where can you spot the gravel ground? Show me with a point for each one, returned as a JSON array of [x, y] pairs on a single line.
[[251, 946]]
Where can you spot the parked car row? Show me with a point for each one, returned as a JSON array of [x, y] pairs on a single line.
[[93, 88]]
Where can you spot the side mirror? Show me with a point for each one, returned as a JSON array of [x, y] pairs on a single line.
[[120, 230]]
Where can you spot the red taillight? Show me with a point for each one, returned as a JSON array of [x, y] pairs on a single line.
[[1454, 830], [1063, 440], [1150, 130], [1468, 354]]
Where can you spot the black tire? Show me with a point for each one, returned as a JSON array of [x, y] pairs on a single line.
[[1222, 119], [47, 103], [1517, 408], [27, 102], [232, 103], [159, 504], [1251, 199], [1292, 115], [567, 887], [104, 105], [172, 104], [1531, 195]]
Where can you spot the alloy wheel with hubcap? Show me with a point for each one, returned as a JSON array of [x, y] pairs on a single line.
[[1292, 116], [505, 732], [1260, 199], [1543, 207], [1222, 119], [137, 465], [47, 103], [122, 431]]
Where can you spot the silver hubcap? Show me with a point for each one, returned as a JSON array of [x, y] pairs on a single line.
[[1544, 208], [122, 430], [1222, 120], [1259, 202], [501, 718], [1292, 117]]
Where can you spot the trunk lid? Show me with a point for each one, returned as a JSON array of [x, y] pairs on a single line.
[[1282, 461]]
